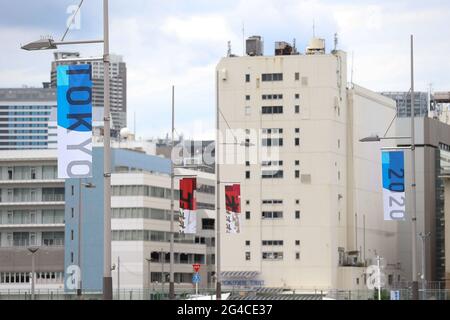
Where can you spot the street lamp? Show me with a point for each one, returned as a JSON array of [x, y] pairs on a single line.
[[80, 222], [33, 251], [415, 285], [424, 237], [49, 44]]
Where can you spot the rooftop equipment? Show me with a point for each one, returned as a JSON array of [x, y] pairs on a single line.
[[255, 46]]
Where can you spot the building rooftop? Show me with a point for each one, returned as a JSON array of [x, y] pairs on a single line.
[[28, 94]]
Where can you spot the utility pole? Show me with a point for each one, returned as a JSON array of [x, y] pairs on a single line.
[[424, 237], [415, 285], [218, 225], [172, 202], [107, 278], [118, 278], [80, 203]]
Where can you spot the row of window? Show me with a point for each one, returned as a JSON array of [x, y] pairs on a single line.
[[25, 277], [29, 173], [26, 239], [31, 195], [272, 215], [271, 256], [23, 125], [272, 174], [266, 77], [20, 217], [272, 243], [25, 113], [150, 235], [25, 107]]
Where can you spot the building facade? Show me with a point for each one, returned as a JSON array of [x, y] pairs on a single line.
[[25, 118], [118, 77], [311, 192], [32, 206], [403, 100]]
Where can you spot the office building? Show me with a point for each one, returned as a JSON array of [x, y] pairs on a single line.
[[25, 118], [311, 193], [118, 76], [32, 206], [403, 100], [432, 158]]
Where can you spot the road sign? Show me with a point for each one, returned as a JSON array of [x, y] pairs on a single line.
[[196, 278], [196, 267]]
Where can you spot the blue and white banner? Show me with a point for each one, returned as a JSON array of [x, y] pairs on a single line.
[[74, 121], [394, 185]]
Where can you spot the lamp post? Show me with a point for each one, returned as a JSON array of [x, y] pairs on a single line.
[[50, 44], [415, 286], [80, 222], [33, 251], [424, 237]]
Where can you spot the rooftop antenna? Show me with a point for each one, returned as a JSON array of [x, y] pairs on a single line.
[[336, 41], [294, 44], [243, 38], [353, 61], [134, 125], [314, 28], [229, 49]]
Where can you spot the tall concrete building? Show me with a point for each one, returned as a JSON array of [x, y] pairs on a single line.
[[312, 212], [432, 159], [118, 76], [25, 118]]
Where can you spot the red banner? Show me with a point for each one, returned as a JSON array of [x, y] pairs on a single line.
[[233, 198], [187, 196]]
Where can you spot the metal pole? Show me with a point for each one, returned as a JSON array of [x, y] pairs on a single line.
[[218, 225], [32, 275], [107, 279], [118, 278], [424, 237], [379, 277], [172, 202], [364, 238], [163, 280], [415, 285], [79, 290]]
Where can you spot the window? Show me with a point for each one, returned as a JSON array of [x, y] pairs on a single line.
[[247, 256], [297, 243], [297, 201], [248, 111], [247, 97], [10, 173], [33, 173], [272, 142], [247, 163], [297, 142], [272, 215], [247, 78], [297, 256], [272, 110], [71, 257], [247, 215], [72, 209], [247, 202], [297, 215], [247, 175], [297, 96], [71, 235], [297, 174], [272, 256], [297, 130], [297, 109], [272, 174], [73, 190], [272, 96], [247, 243], [297, 76], [297, 162], [266, 243], [266, 77]]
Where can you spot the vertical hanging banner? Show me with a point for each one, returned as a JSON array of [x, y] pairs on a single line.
[[188, 206], [233, 208], [394, 185], [74, 121]]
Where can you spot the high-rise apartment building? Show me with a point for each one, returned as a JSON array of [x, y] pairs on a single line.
[[312, 211], [118, 76], [25, 118], [403, 100]]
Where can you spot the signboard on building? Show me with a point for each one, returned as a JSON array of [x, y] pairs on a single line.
[[233, 208], [188, 206], [74, 95], [394, 199]]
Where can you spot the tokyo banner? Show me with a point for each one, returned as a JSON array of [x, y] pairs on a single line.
[[394, 186], [188, 206], [74, 121], [233, 208]]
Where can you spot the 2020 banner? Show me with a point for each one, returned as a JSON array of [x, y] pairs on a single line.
[[188, 206], [233, 208], [394, 185], [74, 121]]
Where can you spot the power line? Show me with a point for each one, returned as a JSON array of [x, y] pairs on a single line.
[[73, 19]]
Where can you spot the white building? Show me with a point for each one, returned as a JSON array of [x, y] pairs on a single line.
[[312, 211]]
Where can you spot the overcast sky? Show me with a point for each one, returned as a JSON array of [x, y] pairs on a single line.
[[179, 42]]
